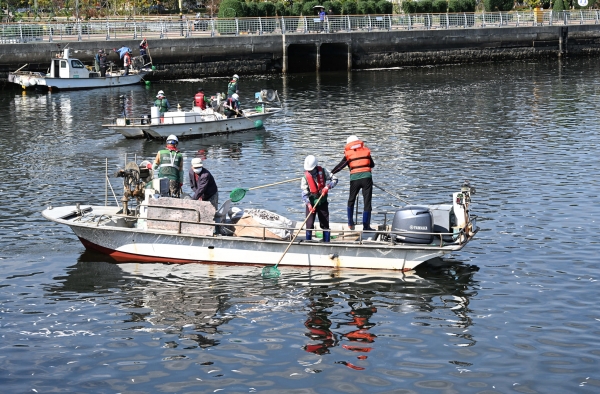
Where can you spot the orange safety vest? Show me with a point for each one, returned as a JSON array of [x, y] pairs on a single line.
[[127, 60], [199, 100], [315, 188], [358, 156]]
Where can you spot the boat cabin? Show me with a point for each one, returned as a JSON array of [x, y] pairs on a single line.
[[68, 67]]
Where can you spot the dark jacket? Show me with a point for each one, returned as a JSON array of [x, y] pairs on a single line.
[[102, 60], [203, 184]]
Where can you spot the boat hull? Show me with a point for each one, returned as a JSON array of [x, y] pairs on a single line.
[[159, 248], [143, 245], [27, 80], [253, 120]]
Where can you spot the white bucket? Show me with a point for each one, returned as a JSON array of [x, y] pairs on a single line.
[[155, 115]]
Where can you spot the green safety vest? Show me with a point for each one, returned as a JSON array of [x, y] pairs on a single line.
[[170, 162], [231, 88], [161, 104]]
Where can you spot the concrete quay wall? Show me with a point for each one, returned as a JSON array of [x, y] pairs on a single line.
[[261, 54]]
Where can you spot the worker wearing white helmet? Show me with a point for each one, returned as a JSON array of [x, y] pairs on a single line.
[[232, 87], [203, 183], [161, 102], [358, 158], [315, 184], [232, 106], [169, 163]]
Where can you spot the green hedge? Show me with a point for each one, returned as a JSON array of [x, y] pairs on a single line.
[[239, 9], [558, 5], [498, 5], [440, 6], [231, 9], [461, 6]]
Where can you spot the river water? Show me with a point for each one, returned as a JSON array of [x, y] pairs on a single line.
[[515, 311]]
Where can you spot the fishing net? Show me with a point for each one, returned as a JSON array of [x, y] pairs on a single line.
[[270, 272], [237, 194]]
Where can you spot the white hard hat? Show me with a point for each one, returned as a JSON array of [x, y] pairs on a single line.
[[160, 93], [172, 139], [235, 96], [352, 138], [310, 163], [197, 162], [235, 76]]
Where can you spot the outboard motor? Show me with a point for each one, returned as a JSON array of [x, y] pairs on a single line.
[[413, 224]]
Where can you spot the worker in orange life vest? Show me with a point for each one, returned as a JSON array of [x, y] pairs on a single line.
[[199, 99], [316, 182], [358, 158]]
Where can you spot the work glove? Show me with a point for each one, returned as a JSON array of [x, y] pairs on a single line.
[[149, 166], [311, 209], [332, 183], [324, 191]]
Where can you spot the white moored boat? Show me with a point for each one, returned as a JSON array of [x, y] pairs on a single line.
[[176, 230], [66, 72], [193, 123]]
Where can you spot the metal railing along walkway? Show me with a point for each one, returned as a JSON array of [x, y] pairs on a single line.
[[22, 32]]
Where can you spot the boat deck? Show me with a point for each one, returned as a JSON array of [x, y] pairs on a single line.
[[108, 217]]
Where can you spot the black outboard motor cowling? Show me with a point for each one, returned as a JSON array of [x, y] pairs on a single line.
[[416, 222]]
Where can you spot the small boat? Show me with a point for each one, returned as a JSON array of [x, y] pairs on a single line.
[[161, 229], [68, 73], [196, 122]]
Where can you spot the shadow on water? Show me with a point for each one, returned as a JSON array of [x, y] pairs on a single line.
[[340, 306]]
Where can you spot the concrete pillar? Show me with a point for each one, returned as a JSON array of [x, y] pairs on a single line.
[[349, 56], [318, 56], [562, 40], [284, 58]]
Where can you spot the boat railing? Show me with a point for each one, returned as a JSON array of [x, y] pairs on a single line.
[[173, 27], [384, 235]]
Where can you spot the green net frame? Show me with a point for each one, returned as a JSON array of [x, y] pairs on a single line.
[[237, 194], [270, 272]]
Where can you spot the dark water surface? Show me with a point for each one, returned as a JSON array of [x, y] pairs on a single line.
[[515, 311]]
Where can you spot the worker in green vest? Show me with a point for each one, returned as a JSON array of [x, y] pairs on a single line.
[[161, 102], [169, 163]]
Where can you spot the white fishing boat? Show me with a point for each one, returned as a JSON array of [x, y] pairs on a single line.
[[157, 228], [195, 122], [68, 73]]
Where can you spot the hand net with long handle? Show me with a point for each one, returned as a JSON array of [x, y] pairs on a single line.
[[237, 194]]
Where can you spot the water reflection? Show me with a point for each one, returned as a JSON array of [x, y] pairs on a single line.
[[350, 309], [344, 309], [169, 298], [318, 325]]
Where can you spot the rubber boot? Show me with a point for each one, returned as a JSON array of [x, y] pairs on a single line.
[[350, 221], [326, 236], [308, 235], [367, 221]]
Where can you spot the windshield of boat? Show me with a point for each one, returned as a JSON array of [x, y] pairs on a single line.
[[76, 63]]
